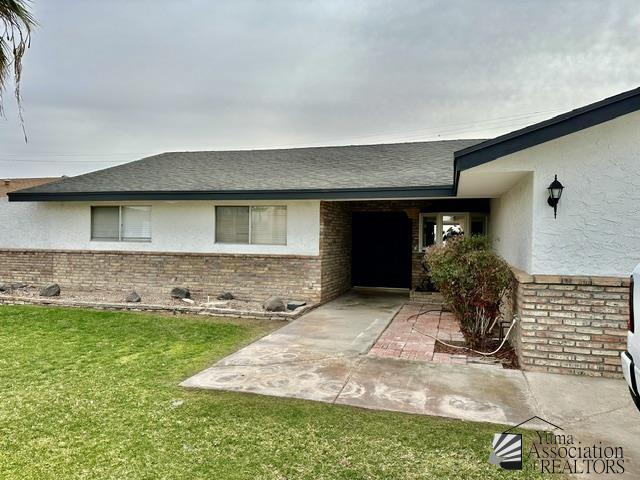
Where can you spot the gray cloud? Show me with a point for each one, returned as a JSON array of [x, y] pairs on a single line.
[[113, 81]]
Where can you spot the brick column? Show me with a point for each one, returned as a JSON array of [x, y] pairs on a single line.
[[335, 249], [571, 324]]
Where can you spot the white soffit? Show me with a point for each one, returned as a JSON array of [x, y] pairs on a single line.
[[488, 184]]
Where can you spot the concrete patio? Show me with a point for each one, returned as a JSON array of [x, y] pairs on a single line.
[[321, 357]]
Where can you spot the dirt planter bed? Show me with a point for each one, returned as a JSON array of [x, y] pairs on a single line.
[[104, 301]]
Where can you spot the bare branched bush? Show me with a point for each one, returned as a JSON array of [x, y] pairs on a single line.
[[473, 280]]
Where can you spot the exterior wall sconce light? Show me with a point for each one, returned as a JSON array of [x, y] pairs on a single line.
[[555, 192]]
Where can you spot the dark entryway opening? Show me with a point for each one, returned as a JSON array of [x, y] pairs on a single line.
[[381, 249]]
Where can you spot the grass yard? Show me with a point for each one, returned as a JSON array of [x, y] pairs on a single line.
[[88, 394]]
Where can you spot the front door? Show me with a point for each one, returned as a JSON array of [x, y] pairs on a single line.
[[381, 249]]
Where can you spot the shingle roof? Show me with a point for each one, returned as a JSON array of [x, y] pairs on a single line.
[[314, 171]]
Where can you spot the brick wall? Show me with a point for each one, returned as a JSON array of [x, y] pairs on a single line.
[[311, 278], [247, 276], [335, 248], [575, 325], [413, 208]]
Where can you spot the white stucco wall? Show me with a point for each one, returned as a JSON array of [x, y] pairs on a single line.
[[510, 223], [176, 227], [597, 231]]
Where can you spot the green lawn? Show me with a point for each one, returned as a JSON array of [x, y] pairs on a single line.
[[87, 394]]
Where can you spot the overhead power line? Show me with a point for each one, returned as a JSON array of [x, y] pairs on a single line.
[[460, 128]]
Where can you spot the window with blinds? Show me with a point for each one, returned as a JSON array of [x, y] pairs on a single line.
[[269, 225], [260, 225], [136, 224], [105, 223], [232, 224], [130, 223]]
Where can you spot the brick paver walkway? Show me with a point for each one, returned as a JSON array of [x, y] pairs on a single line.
[[404, 337]]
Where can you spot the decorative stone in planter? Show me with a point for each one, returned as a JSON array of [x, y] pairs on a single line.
[[133, 297], [274, 304], [4, 287], [292, 304], [51, 290], [225, 296], [180, 292]]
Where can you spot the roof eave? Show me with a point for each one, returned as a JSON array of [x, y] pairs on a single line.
[[307, 194], [565, 124], [556, 127]]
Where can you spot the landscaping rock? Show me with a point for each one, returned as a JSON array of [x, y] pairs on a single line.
[[133, 297], [274, 304], [18, 285], [187, 300], [293, 304], [180, 292], [4, 287], [225, 296], [51, 290]]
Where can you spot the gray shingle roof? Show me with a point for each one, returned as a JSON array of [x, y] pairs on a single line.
[[383, 166]]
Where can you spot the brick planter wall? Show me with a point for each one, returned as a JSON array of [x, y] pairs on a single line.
[[433, 298], [575, 325], [247, 276]]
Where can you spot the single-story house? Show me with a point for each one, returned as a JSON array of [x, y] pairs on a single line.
[[310, 223]]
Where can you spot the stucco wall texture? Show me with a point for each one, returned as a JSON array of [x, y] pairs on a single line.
[[314, 278], [597, 231], [511, 222], [185, 227]]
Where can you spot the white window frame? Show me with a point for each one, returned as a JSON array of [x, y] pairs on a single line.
[[249, 242], [119, 207], [485, 220], [466, 224], [421, 246]]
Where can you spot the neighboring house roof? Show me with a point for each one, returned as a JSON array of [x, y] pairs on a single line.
[[556, 127], [12, 184], [419, 169]]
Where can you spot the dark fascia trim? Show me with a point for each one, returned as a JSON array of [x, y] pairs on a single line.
[[312, 194], [556, 127]]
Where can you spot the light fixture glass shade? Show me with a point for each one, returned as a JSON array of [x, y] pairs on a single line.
[[555, 189]]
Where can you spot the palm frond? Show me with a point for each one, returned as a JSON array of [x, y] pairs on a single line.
[[16, 22]]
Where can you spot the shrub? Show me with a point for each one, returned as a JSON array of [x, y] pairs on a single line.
[[473, 281]]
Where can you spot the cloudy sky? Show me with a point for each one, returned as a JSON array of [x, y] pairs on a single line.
[[111, 81]]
